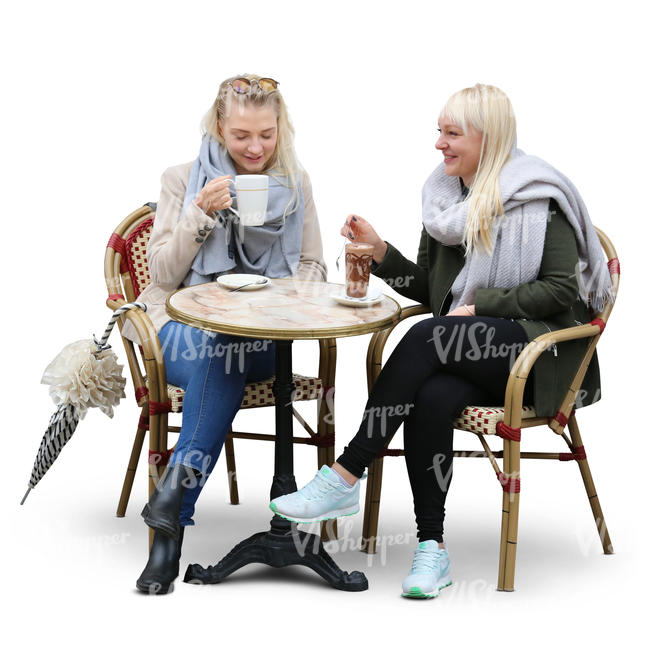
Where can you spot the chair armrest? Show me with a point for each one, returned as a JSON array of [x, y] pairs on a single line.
[[152, 356], [378, 342], [531, 353]]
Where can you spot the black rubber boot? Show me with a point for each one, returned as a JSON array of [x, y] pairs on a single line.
[[164, 507], [162, 568]]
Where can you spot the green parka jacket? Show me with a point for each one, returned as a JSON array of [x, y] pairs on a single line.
[[548, 303]]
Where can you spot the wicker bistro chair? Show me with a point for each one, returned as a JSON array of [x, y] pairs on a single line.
[[507, 422], [127, 274]]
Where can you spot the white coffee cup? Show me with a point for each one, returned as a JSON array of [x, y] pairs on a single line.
[[252, 198]]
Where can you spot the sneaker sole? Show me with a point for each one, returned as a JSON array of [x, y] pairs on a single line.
[[416, 592], [332, 514]]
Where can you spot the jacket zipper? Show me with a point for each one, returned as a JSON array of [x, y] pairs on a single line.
[[442, 304], [554, 344]]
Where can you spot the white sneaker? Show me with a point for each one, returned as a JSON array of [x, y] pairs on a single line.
[[324, 497], [429, 572]]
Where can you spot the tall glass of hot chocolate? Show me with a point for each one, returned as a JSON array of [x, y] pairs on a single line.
[[358, 258]]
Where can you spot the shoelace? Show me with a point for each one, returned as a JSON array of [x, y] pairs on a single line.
[[317, 488], [426, 561]]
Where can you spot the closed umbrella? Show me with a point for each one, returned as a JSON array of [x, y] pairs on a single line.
[[84, 374]]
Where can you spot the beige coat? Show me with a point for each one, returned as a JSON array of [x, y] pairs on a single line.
[[173, 244]]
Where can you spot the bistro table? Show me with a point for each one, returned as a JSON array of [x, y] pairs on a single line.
[[285, 310]]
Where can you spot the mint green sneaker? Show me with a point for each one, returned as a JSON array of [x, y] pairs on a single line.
[[324, 497], [429, 572]]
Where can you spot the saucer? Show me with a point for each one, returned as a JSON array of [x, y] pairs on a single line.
[[372, 298], [236, 280]]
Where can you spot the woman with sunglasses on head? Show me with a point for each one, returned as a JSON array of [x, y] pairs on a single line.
[[507, 252], [194, 240]]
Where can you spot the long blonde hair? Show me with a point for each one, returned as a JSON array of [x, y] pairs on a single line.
[[283, 162], [488, 110]]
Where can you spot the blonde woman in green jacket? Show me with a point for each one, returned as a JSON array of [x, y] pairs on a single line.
[[507, 252]]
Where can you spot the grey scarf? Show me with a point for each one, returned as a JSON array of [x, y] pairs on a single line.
[[272, 249], [527, 184]]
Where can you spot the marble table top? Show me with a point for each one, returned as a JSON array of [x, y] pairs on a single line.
[[286, 309]]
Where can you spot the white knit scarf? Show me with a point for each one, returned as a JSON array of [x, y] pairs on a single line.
[[527, 184]]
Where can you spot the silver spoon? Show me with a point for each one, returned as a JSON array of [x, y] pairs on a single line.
[[248, 284], [343, 247]]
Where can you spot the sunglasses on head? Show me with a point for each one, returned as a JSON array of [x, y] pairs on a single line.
[[241, 85]]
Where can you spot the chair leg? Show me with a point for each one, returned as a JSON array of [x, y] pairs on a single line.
[[232, 470], [371, 508], [325, 455], [510, 518], [132, 466], [157, 443], [328, 529], [588, 481]]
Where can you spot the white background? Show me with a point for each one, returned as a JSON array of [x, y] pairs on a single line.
[[99, 98]]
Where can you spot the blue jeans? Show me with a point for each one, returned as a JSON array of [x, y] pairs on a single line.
[[213, 370]]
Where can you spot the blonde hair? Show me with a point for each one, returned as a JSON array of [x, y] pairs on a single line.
[[488, 110], [283, 162]]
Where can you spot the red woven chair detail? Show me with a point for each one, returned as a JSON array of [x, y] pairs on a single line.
[[509, 485], [600, 322], [116, 296], [160, 457], [508, 433], [579, 453], [141, 392], [561, 419], [614, 266], [324, 440], [136, 254], [117, 242], [391, 452], [157, 408], [143, 423]]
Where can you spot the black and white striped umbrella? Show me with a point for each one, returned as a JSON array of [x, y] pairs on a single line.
[[85, 375]]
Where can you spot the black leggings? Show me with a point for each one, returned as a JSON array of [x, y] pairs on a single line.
[[440, 366]]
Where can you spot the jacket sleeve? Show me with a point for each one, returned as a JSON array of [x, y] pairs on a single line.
[[174, 244], [556, 286], [410, 279], [312, 264]]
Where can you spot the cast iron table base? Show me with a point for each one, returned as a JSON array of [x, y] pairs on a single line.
[[282, 545]]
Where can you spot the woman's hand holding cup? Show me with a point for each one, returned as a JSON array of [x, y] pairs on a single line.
[[358, 230], [215, 195]]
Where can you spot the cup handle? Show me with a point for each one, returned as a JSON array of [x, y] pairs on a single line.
[[230, 180]]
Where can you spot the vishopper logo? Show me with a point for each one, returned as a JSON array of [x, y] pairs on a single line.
[[98, 542], [230, 222], [442, 478], [462, 340], [590, 283], [400, 281], [180, 338], [93, 547], [194, 459], [380, 414], [327, 394], [584, 397], [371, 416], [590, 543], [470, 591], [305, 543]]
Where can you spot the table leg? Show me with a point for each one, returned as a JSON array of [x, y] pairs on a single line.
[[283, 544]]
